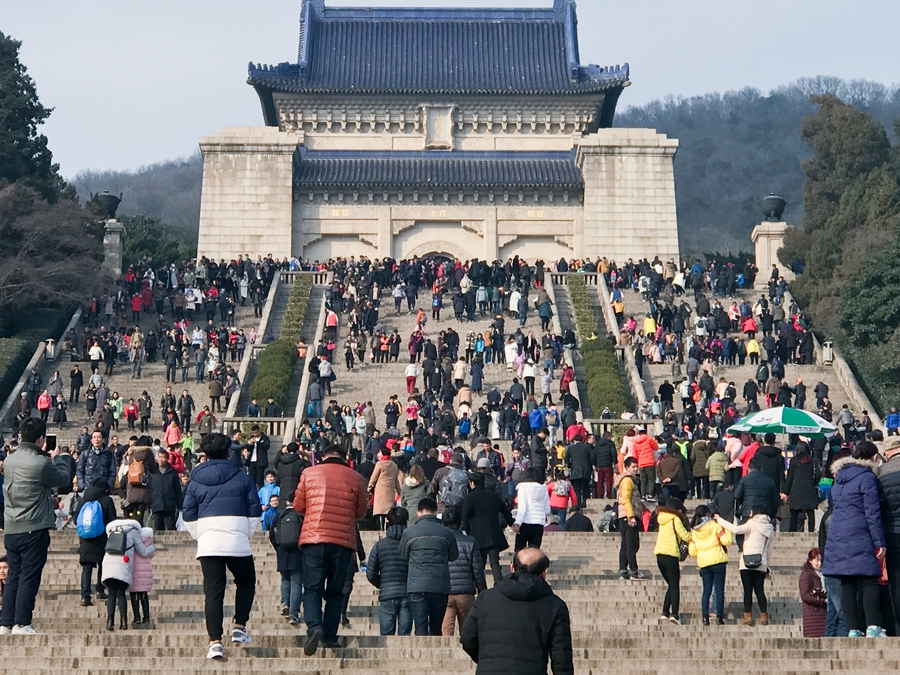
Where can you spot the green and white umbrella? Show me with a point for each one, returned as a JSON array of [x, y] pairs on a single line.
[[784, 421]]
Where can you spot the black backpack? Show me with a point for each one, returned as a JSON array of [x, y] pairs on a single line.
[[287, 530], [117, 542]]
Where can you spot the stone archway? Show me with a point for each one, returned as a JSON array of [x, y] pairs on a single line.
[[439, 247]]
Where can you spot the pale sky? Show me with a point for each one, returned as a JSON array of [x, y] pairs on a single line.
[[134, 83]]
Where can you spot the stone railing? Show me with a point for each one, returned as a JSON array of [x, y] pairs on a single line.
[[557, 328], [300, 410], [11, 407], [275, 426], [561, 279]]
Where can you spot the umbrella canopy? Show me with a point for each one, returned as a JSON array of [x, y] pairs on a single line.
[[784, 421]]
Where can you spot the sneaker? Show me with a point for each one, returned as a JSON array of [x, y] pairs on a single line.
[[332, 644], [5, 630], [663, 618], [876, 631], [624, 574], [86, 602], [294, 620], [639, 576], [216, 651], [24, 630], [239, 635], [855, 633], [674, 619], [312, 642], [285, 610]]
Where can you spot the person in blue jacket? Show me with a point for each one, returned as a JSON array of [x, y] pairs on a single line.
[[892, 422], [222, 511], [855, 547]]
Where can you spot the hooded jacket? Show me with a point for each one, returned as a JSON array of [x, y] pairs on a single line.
[[758, 539], [386, 569], [700, 452], [141, 494], [516, 626], [856, 530], [92, 550], [29, 477], [121, 567], [757, 492], [142, 579], [221, 509], [533, 504], [644, 449], [290, 467], [771, 463], [671, 530], [708, 542]]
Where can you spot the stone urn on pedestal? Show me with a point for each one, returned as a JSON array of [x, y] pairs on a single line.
[[768, 238], [114, 233]]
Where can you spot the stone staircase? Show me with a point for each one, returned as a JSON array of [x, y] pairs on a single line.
[[614, 622]]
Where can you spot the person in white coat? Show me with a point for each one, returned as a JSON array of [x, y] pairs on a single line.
[[754, 563], [118, 568], [533, 507]]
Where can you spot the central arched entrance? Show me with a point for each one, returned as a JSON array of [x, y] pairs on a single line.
[[439, 249]]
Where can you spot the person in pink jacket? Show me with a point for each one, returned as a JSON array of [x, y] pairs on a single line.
[[142, 582]]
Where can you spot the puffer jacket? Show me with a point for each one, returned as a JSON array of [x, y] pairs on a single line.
[[734, 450], [467, 571], [386, 569], [290, 467], [708, 542], [644, 449], [94, 466], [221, 509], [410, 493], [700, 451], [516, 626], [121, 567], [771, 463], [717, 464], [758, 539], [671, 529], [856, 529], [889, 484], [757, 492], [331, 497], [628, 497], [142, 579], [92, 550], [533, 504], [429, 547]]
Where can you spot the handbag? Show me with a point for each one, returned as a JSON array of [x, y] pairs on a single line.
[[752, 560], [682, 547]]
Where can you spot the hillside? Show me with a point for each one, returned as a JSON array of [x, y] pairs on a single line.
[[735, 148]]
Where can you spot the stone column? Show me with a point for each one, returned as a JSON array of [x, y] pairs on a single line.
[[768, 238], [491, 240], [385, 234], [247, 196], [629, 195], [113, 242]]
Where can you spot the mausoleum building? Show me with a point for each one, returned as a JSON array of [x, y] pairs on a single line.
[[411, 131]]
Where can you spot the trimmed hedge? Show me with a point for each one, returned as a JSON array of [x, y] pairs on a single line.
[[277, 360], [14, 356], [605, 384]]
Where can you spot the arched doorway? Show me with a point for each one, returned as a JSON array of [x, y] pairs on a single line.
[[442, 249]]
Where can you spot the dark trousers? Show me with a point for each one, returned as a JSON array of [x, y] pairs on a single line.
[[754, 583], [26, 554], [395, 617], [670, 569], [87, 571], [582, 488], [116, 598], [648, 481], [428, 611], [797, 519], [493, 555], [604, 482], [164, 520], [629, 544], [701, 487], [214, 579], [258, 473], [892, 559], [851, 589], [324, 574], [528, 535]]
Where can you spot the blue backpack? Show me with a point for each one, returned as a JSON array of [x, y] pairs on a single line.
[[90, 521], [536, 419], [465, 426]]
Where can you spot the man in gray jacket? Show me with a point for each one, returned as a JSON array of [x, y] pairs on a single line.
[[466, 575], [29, 477], [430, 548]]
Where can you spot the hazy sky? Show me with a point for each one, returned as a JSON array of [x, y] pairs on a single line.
[[134, 83]]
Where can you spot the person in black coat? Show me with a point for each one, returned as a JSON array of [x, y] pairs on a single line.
[[771, 461], [166, 497], [290, 565], [482, 513], [289, 467], [802, 488], [578, 460], [91, 551], [578, 522], [519, 624], [387, 571], [756, 492]]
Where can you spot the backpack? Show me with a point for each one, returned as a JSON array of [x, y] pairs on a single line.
[[90, 521], [446, 456], [287, 530], [536, 419], [117, 543], [561, 488], [552, 418], [136, 474], [454, 488], [465, 426]]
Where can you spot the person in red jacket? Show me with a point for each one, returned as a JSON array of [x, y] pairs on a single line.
[[331, 497], [645, 448], [561, 495]]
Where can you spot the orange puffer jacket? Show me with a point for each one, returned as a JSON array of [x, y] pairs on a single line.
[[644, 448], [331, 497]]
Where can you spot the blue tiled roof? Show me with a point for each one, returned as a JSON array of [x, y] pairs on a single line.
[[437, 51], [437, 169]]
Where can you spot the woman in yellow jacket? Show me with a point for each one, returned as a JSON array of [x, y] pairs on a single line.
[[708, 542], [672, 530]]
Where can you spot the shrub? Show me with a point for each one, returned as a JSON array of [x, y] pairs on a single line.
[[604, 378], [14, 356]]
